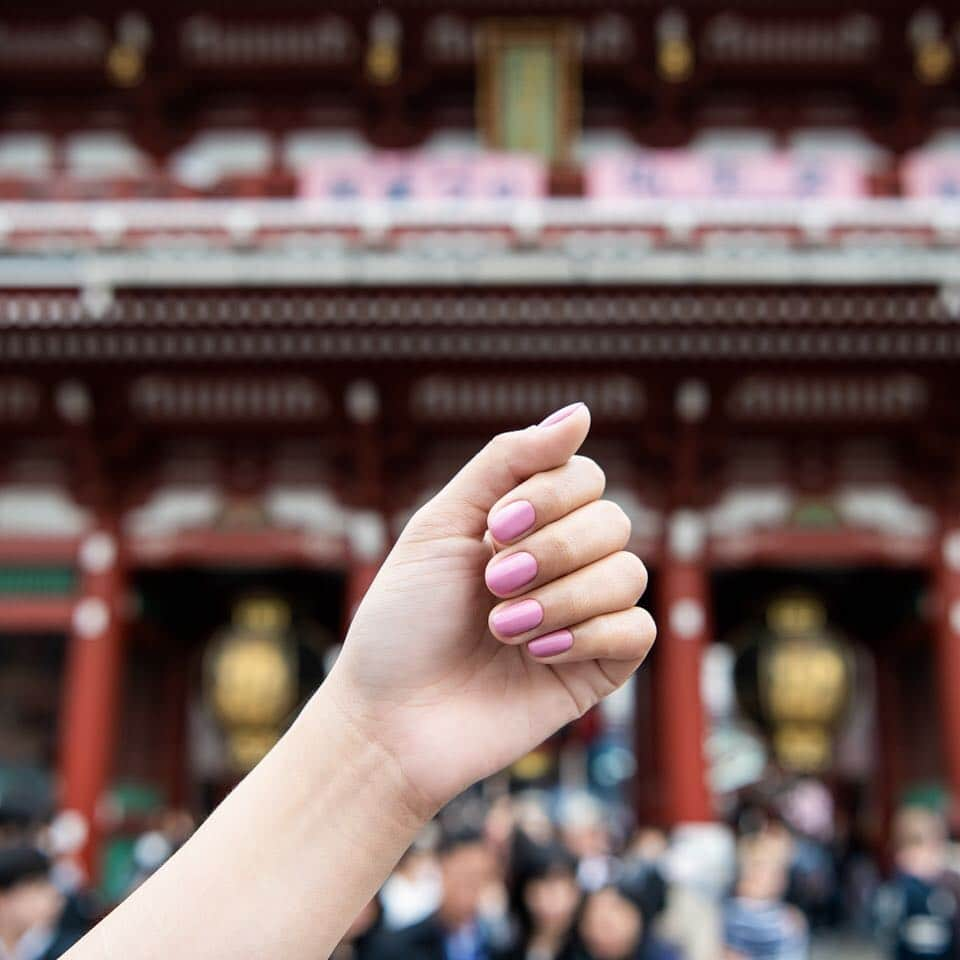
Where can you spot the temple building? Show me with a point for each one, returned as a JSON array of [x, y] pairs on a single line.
[[268, 276]]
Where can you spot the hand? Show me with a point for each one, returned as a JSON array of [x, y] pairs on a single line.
[[455, 685]]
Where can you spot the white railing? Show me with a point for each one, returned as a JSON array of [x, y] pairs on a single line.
[[526, 217], [170, 243]]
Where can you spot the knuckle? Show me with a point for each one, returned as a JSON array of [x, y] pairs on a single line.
[[579, 604], [616, 520], [634, 571], [564, 553], [501, 444], [592, 473], [428, 518], [549, 501], [646, 630]]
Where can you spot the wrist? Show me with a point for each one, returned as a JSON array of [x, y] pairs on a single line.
[[361, 759]]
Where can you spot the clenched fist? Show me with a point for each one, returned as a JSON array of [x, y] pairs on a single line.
[[506, 609]]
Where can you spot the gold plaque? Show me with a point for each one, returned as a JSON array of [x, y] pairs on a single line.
[[528, 94]]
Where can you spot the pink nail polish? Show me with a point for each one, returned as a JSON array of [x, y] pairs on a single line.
[[517, 618], [560, 414], [511, 573], [550, 644], [512, 520]]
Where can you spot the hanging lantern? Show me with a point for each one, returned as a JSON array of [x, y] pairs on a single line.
[[795, 680], [674, 49], [126, 59], [251, 678], [932, 53], [383, 49]]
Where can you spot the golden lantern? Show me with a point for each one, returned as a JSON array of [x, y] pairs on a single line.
[[127, 58], [382, 60], [796, 681], [251, 678], [933, 61], [932, 52], [675, 58], [125, 65]]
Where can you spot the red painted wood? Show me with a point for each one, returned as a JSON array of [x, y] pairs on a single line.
[[36, 614], [24, 550], [680, 711], [90, 704]]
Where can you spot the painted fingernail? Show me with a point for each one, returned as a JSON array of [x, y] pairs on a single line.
[[560, 414], [517, 618], [511, 573], [512, 520], [550, 644]]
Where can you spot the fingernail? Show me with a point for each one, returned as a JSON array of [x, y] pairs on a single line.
[[560, 414], [517, 618], [512, 520], [511, 573], [550, 644]]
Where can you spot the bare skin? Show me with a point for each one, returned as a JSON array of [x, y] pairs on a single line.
[[436, 688]]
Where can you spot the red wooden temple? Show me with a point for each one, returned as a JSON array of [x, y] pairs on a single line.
[[205, 390]]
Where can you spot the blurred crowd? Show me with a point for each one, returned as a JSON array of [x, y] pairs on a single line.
[[538, 876]]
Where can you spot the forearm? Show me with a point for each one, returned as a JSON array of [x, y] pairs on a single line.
[[284, 864]]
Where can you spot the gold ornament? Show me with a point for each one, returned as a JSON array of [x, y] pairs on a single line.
[[252, 678], [125, 66], [933, 61], [675, 59], [805, 682], [383, 62]]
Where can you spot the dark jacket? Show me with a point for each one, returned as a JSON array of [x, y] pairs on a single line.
[[650, 949], [422, 941], [920, 917]]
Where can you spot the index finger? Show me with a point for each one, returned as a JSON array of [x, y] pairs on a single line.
[[544, 498]]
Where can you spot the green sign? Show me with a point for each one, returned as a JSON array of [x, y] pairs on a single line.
[[37, 581]]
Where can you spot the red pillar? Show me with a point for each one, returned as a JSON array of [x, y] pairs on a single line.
[[92, 684], [947, 653], [683, 614]]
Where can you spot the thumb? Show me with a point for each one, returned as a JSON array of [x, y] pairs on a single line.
[[507, 460]]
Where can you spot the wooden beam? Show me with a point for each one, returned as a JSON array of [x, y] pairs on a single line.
[[35, 614]]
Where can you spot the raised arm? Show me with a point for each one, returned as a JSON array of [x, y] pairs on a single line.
[[506, 609]]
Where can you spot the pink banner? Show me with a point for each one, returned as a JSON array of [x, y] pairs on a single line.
[[420, 176], [933, 174], [761, 176]]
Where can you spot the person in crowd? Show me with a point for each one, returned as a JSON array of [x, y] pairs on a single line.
[[412, 892], [698, 868], [614, 925], [642, 867], [532, 816], [457, 930], [31, 907], [919, 910], [544, 898], [758, 923], [585, 832], [18, 820]]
